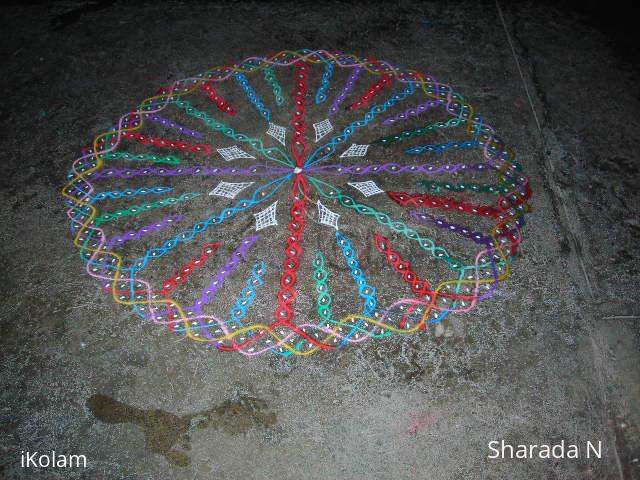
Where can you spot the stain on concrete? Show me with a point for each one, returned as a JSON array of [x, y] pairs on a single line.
[[168, 434], [528, 361]]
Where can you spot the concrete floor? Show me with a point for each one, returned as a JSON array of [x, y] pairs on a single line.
[[553, 356]]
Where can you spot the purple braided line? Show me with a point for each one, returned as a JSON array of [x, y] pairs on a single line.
[[413, 112], [144, 231], [86, 161], [201, 170], [396, 168], [218, 282], [351, 81], [157, 118], [173, 125], [477, 237], [466, 232]]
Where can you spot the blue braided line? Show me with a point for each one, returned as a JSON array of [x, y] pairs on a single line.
[[370, 301], [187, 236], [202, 227], [351, 257], [478, 128], [199, 227], [85, 256], [385, 220], [74, 205], [321, 94], [252, 95], [442, 147], [244, 301], [353, 127]]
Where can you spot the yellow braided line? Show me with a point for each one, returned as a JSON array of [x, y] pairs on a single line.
[[260, 326]]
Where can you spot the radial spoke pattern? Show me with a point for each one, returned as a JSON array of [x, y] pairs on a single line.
[[400, 207]]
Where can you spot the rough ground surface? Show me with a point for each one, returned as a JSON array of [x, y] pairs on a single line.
[[553, 356]]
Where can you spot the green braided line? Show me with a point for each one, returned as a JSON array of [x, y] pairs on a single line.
[[272, 81], [136, 210], [495, 188], [406, 134], [324, 297], [325, 301], [439, 253], [169, 159], [216, 126]]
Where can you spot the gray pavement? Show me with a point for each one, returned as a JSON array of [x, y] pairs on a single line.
[[552, 356]]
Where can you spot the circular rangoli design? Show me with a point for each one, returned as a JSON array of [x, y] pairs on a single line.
[[297, 203]]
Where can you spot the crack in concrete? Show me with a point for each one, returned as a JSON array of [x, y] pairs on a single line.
[[567, 224]]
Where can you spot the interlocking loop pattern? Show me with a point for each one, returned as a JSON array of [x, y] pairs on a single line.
[[375, 127]]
